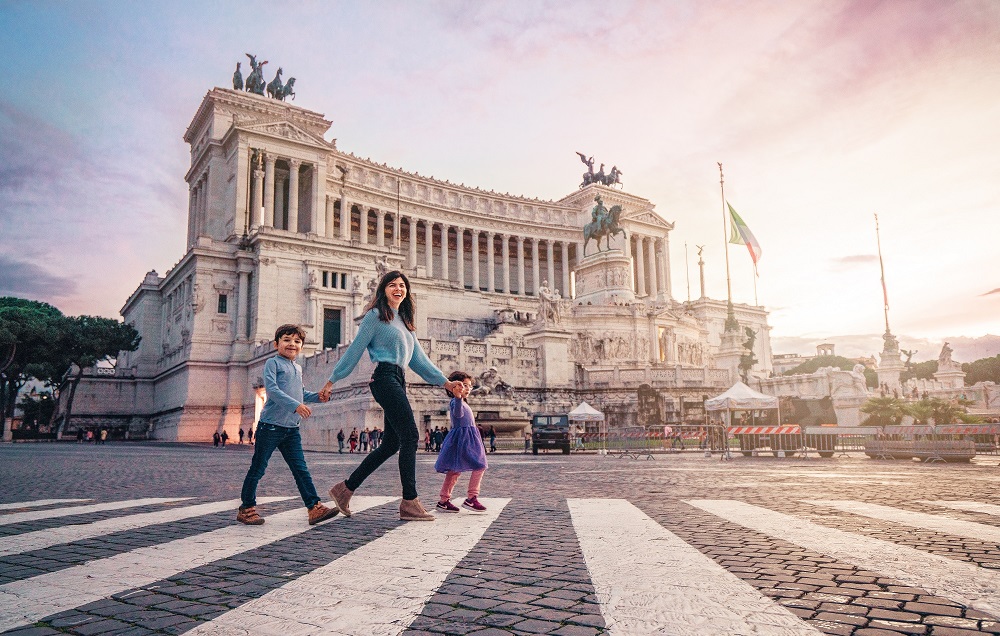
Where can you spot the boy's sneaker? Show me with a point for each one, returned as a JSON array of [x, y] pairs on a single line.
[[472, 503], [319, 512], [446, 506], [249, 516]]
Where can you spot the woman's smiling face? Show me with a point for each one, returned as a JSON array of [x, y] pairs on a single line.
[[395, 292]]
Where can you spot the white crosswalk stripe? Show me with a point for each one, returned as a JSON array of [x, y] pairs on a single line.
[[968, 506], [963, 582], [377, 589], [21, 517], [922, 520], [649, 581], [38, 503], [40, 539], [26, 601]]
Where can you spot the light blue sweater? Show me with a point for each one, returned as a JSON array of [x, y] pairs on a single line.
[[387, 342]]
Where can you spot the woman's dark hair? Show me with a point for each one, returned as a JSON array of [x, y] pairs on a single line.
[[457, 376], [381, 302]]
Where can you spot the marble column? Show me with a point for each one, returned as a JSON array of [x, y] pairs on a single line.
[[429, 245], [345, 218], [413, 242], [380, 228], [460, 255], [491, 272], [550, 262], [535, 283], [329, 217], [520, 265], [397, 229], [445, 275], [269, 190], [476, 285], [258, 195], [505, 258], [363, 224], [565, 267], [664, 251], [651, 264], [317, 215], [192, 213], [279, 204], [640, 266], [293, 195]]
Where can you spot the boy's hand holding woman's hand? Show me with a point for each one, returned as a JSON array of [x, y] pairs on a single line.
[[326, 391]]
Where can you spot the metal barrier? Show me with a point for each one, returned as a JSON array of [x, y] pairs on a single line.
[[829, 440], [630, 441]]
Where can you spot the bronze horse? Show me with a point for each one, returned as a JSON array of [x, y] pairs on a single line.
[[605, 227]]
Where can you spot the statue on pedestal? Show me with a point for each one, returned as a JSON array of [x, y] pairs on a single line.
[[237, 79], [588, 176], [255, 81], [944, 359], [603, 224]]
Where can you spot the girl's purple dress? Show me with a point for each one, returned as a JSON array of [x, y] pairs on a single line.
[[462, 449]]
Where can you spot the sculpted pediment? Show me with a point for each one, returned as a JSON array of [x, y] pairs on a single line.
[[285, 130], [649, 218]]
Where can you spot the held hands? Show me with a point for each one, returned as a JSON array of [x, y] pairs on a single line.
[[454, 387], [326, 391]]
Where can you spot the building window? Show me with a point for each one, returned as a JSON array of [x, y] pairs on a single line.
[[331, 328], [223, 303]]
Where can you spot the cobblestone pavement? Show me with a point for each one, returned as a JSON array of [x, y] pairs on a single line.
[[571, 545]]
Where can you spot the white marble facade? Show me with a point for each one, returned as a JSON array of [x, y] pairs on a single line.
[[284, 227]]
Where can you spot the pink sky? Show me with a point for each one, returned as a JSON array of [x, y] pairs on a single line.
[[823, 114]]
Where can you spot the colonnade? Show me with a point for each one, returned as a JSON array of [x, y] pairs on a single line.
[[651, 265], [269, 206]]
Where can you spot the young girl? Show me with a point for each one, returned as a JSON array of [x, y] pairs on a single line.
[[386, 331], [462, 449]]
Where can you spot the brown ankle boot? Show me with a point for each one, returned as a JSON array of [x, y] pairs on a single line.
[[341, 495], [412, 510]]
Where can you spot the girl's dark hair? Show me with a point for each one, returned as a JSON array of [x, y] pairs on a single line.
[[457, 376], [381, 302]]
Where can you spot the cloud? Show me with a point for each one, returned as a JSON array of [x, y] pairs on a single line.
[[23, 279], [856, 259], [995, 291]]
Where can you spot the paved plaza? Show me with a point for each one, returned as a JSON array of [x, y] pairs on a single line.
[[141, 539]]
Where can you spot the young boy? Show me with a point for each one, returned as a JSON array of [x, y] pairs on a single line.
[[279, 428]]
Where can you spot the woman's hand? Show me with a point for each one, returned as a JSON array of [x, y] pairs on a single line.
[[324, 393], [454, 387]]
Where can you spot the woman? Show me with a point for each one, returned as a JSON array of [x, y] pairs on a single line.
[[387, 332]]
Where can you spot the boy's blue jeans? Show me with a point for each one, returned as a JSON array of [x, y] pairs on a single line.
[[289, 443]]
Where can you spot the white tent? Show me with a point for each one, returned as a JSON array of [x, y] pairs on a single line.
[[585, 413], [740, 397]]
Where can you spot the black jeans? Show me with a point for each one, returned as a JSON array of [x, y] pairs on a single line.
[[388, 387]]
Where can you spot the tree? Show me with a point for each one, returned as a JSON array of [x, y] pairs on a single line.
[[982, 370], [28, 335], [920, 370], [883, 411], [85, 341], [838, 362]]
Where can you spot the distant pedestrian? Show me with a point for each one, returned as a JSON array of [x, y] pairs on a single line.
[[353, 440], [493, 439], [340, 441], [462, 450], [242, 433], [224, 437], [250, 435], [427, 440], [79, 436], [216, 438], [279, 428], [527, 441], [363, 439], [104, 435]]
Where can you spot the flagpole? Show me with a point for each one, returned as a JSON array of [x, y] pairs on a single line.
[[881, 266], [756, 304], [687, 269], [731, 324]]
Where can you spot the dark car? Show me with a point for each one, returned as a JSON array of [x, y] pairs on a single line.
[[550, 431]]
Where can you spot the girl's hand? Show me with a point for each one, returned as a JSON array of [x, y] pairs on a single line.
[[454, 387]]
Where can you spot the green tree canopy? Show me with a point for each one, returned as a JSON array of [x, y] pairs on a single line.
[[982, 370], [29, 334], [920, 370], [839, 362]]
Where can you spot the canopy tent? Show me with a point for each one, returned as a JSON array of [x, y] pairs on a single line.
[[585, 413], [740, 397]]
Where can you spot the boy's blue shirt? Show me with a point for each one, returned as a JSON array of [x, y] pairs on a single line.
[[387, 342], [283, 383]]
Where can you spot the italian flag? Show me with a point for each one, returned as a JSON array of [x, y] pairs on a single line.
[[742, 235]]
